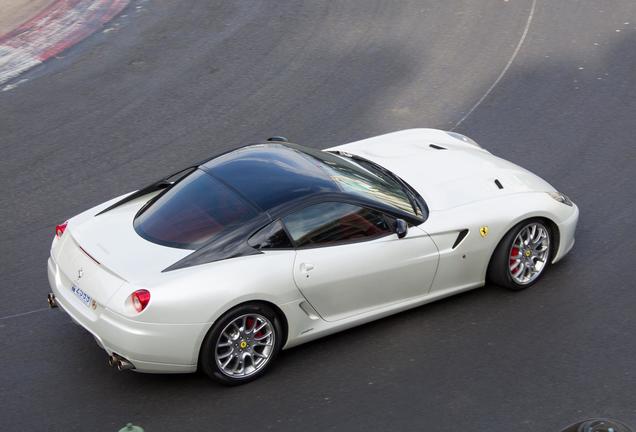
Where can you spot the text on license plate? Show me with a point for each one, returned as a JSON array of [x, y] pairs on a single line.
[[84, 298]]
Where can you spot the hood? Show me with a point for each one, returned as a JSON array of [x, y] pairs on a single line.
[[446, 171]]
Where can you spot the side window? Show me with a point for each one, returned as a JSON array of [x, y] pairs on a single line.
[[335, 222], [273, 236]]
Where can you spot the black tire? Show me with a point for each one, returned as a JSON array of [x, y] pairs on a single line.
[[208, 358], [499, 271]]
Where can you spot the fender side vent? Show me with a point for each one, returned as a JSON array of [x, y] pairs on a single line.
[[498, 183], [462, 235], [436, 147]]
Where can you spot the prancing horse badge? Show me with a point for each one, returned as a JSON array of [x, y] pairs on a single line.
[[483, 231]]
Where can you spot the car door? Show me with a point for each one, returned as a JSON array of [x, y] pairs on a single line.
[[350, 261]]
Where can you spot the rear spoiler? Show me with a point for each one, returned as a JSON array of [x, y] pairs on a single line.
[[158, 185]]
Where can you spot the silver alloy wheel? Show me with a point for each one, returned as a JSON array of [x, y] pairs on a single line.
[[529, 253], [245, 345]]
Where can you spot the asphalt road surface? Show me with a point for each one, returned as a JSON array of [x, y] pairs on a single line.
[[550, 85]]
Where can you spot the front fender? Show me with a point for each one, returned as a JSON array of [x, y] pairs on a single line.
[[467, 263]]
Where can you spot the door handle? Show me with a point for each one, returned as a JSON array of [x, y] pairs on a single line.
[[306, 267]]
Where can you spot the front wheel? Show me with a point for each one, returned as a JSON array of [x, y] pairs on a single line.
[[242, 344], [522, 256]]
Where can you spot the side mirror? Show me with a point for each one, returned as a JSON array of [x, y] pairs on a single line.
[[401, 228]]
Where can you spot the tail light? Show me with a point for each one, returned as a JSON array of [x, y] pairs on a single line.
[[59, 229], [140, 299]]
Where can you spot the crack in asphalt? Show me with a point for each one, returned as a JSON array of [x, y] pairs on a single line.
[[505, 69], [6, 317]]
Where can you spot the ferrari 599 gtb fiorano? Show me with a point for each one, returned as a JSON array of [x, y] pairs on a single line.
[[221, 265]]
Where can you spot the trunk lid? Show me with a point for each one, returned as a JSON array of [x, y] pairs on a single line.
[[108, 252]]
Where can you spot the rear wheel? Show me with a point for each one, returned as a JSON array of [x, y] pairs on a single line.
[[522, 256], [242, 344]]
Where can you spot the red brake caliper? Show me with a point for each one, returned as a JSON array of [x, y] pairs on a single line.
[[251, 323], [513, 255]]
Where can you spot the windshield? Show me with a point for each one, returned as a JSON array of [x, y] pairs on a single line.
[[365, 178], [191, 212]]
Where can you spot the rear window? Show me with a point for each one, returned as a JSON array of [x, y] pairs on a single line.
[[191, 212]]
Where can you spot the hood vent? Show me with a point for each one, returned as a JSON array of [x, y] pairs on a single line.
[[436, 147]]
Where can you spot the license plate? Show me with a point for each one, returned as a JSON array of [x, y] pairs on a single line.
[[84, 298]]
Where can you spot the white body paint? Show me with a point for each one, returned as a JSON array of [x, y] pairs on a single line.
[[343, 286]]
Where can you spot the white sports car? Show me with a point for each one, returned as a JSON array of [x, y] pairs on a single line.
[[225, 263]]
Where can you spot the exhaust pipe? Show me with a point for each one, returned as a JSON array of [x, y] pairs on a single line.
[[115, 360], [50, 298], [112, 360], [123, 365]]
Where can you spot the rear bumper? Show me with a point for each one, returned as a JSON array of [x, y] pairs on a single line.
[[567, 227], [159, 348]]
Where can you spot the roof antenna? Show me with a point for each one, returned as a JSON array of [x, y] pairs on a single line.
[[277, 139]]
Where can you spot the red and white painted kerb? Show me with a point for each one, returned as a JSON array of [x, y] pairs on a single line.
[[58, 27]]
